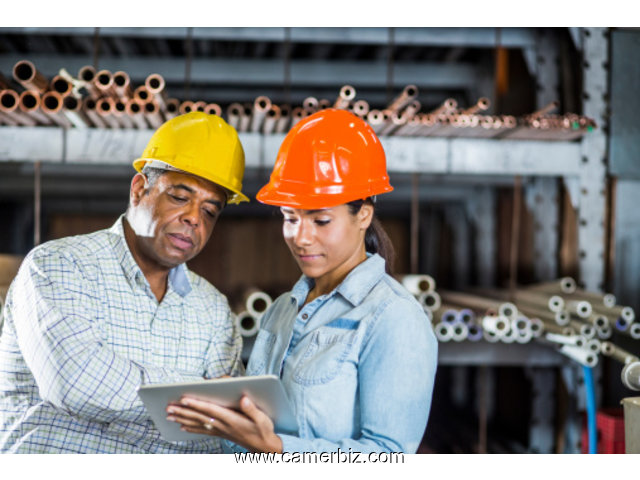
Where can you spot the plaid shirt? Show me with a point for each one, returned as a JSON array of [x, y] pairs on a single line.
[[83, 331]]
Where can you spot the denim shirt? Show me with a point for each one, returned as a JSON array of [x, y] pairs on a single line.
[[358, 364]]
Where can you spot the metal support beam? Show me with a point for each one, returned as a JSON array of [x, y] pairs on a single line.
[[446, 37], [265, 73], [592, 206]]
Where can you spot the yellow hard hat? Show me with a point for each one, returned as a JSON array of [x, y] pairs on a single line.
[[199, 144]]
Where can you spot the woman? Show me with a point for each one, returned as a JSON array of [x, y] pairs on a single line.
[[355, 351]]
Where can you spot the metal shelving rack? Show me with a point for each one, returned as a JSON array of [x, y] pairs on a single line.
[[581, 165]]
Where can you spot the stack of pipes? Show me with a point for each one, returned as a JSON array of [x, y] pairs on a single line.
[[103, 99], [577, 322]]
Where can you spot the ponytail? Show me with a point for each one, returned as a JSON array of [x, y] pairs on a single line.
[[376, 239]]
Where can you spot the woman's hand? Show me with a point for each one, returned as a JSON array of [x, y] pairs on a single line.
[[250, 427]]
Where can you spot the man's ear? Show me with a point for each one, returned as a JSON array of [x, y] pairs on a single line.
[[139, 187]]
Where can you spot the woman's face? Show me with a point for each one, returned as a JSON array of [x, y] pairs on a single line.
[[328, 243]]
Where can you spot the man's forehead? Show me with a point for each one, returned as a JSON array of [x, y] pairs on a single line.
[[177, 179]]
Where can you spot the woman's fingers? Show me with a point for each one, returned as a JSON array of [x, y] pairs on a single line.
[[188, 416]]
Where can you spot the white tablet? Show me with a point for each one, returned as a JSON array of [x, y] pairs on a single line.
[[266, 391]]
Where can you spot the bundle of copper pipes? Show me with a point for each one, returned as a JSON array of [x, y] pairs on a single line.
[[104, 99]]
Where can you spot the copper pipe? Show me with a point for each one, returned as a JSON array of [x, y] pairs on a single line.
[[155, 83], [86, 76], [152, 114], [234, 111], [347, 93], [297, 114], [104, 83], [90, 108], [198, 106], [122, 85], [51, 105], [9, 101], [245, 118], [550, 107], [7, 120], [282, 125], [120, 113], [261, 106], [310, 102], [29, 103], [361, 108], [482, 104], [412, 108], [397, 121], [173, 108], [448, 106], [26, 74], [105, 108], [185, 107], [61, 85], [375, 120], [406, 96], [73, 111], [413, 125], [271, 120], [142, 94], [213, 109], [134, 110]]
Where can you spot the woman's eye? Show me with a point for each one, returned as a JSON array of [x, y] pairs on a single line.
[[322, 222], [290, 220]]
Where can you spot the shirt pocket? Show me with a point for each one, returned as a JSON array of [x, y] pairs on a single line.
[[261, 352], [326, 356]]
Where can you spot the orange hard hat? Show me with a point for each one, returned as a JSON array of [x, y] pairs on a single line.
[[329, 158]]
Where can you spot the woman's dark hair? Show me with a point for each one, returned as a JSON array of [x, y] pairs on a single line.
[[376, 239]]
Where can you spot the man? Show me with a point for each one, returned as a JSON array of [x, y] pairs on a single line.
[[91, 318]]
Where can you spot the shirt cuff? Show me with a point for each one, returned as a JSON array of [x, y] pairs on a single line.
[[292, 443]]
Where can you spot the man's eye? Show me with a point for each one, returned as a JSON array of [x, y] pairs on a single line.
[[290, 220], [210, 213], [322, 222], [178, 198]]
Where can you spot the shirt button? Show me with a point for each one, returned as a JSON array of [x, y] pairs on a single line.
[[305, 316]]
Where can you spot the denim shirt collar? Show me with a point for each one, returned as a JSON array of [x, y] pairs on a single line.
[[177, 276], [356, 285]]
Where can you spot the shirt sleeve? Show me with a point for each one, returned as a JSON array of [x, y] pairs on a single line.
[[55, 314], [396, 374], [224, 355]]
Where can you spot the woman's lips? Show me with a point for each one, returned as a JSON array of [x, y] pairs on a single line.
[[308, 258], [181, 241]]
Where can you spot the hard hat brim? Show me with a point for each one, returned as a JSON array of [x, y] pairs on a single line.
[[236, 197]]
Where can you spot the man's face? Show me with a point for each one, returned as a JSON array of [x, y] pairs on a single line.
[[174, 218]]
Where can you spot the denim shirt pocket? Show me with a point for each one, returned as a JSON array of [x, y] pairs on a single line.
[[261, 352], [325, 355]]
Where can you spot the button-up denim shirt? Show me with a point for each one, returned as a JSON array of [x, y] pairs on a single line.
[[358, 364]]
